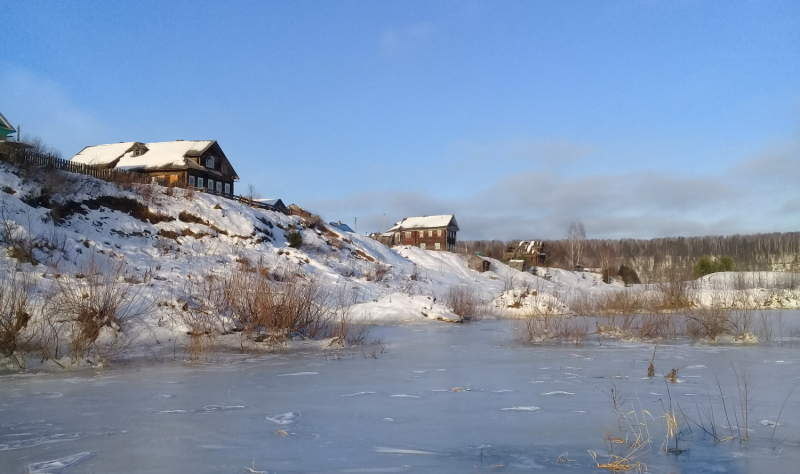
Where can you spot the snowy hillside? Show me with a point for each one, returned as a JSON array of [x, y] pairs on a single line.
[[203, 257], [62, 230], [176, 237]]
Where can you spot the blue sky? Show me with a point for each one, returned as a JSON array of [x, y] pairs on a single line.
[[641, 119]]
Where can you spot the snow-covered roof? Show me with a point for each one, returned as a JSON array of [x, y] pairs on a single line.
[[270, 202], [530, 246], [346, 228], [426, 222], [164, 155], [102, 155], [158, 155], [5, 124]]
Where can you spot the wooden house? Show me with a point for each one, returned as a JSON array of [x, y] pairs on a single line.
[[427, 232], [479, 264], [530, 252], [199, 164]]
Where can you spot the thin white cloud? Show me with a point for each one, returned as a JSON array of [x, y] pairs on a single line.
[[614, 205], [43, 109], [547, 153], [404, 41]]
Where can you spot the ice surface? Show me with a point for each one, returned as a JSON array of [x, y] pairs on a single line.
[[377, 470], [404, 451], [284, 418], [223, 417], [57, 464]]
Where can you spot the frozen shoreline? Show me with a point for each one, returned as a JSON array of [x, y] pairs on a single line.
[[440, 398]]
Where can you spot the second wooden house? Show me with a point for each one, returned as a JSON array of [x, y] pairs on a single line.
[[427, 232]]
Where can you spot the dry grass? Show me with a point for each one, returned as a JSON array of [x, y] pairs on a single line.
[[632, 433], [266, 311], [540, 328], [199, 312], [104, 303]]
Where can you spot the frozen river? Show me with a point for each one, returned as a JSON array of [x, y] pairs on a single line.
[[441, 398]]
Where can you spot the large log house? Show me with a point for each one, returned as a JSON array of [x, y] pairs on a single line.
[[195, 163]]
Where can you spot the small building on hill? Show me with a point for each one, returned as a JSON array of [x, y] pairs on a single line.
[[342, 227], [199, 164], [427, 232], [531, 252], [479, 264], [272, 205], [5, 129], [8, 147]]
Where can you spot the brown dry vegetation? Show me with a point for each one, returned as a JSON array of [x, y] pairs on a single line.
[[266, 310], [549, 328]]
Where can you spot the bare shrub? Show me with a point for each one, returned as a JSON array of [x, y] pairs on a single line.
[[266, 310], [539, 328], [463, 302], [345, 328], [620, 309], [673, 292], [102, 301], [315, 222], [707, 323], [584, 304], [415, 274], [16, 238], [377, 271], [657, 326], [147, 192], [16, 307]]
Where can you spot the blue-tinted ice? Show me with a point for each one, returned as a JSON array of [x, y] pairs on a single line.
[[451, 398]]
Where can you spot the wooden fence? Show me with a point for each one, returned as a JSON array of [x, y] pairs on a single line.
[[46, 161]]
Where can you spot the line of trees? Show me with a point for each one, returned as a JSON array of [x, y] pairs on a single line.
[[657, 259]]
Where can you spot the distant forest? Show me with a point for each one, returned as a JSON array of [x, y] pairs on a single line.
[[657, 259]]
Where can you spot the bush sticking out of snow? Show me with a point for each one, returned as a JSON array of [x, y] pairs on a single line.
[[294, 239]]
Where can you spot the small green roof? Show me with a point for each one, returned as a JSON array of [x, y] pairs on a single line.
[[5, 127]]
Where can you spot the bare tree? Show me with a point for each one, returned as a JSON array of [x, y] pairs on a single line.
[[576, 238], [39, 146], [606, 255], [252, 193]]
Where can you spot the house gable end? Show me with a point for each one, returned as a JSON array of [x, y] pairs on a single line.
[[223, 165]]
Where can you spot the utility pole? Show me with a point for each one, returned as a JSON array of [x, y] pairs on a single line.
[[355, 222], [384, 223]]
